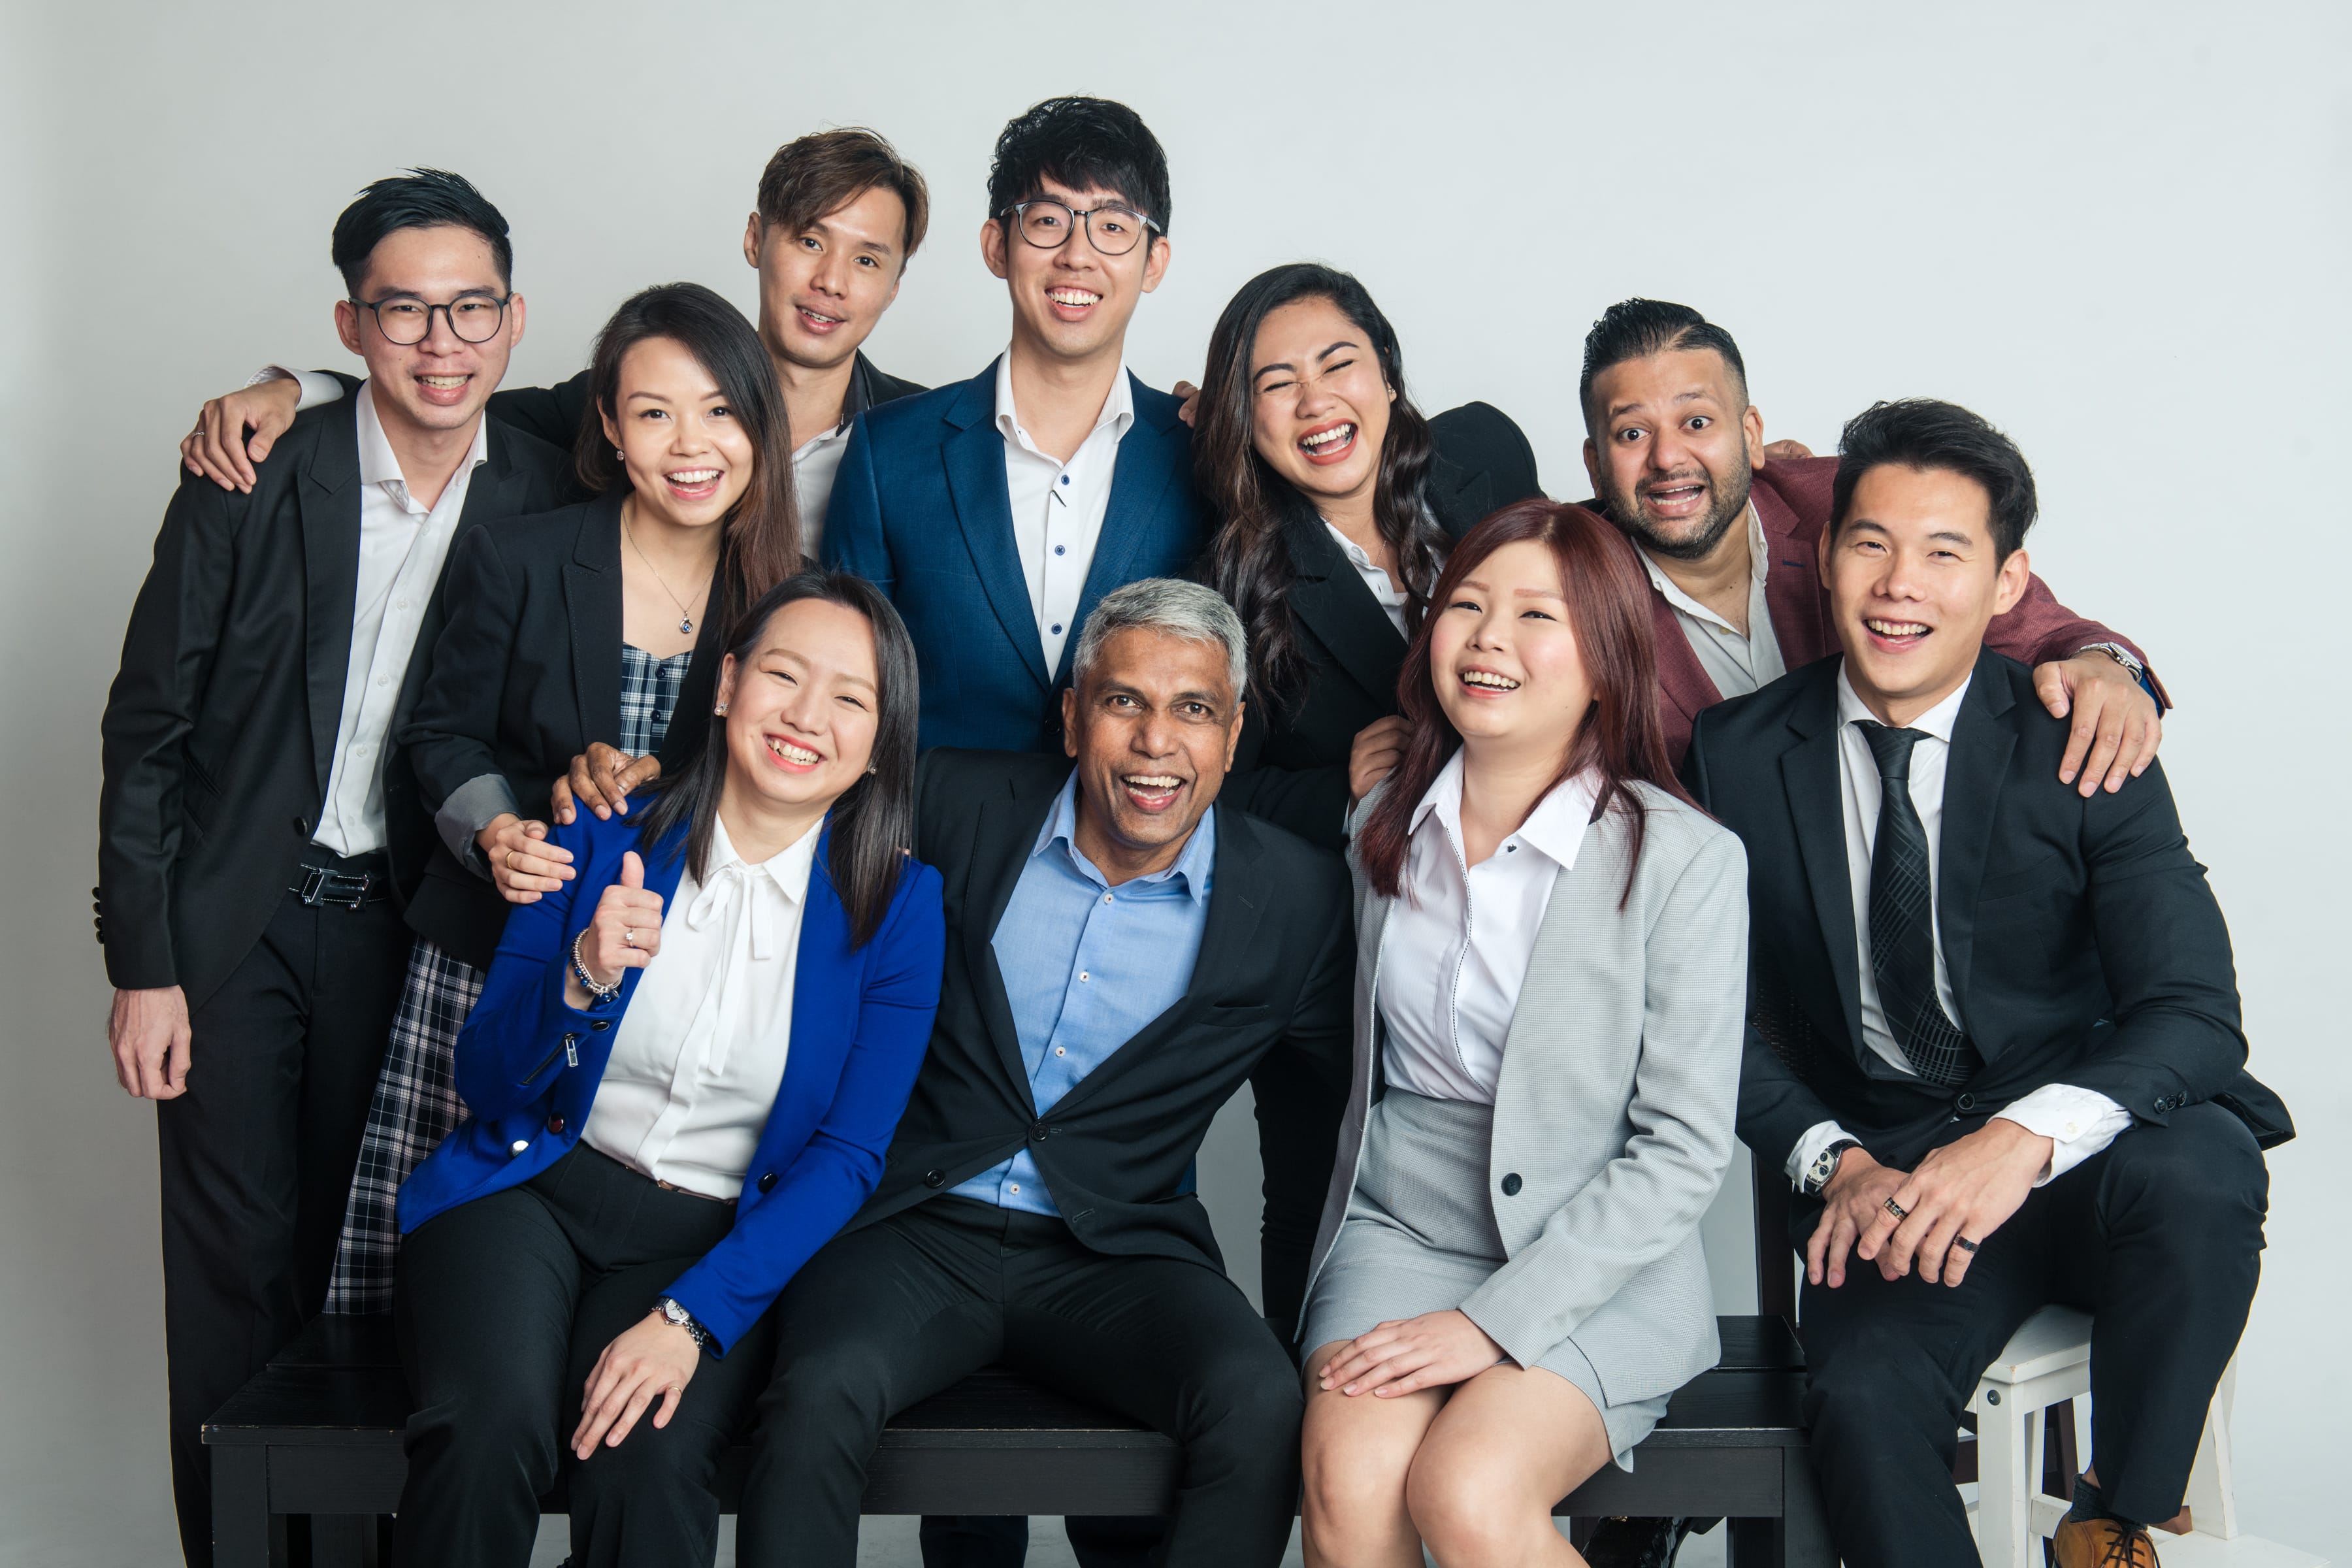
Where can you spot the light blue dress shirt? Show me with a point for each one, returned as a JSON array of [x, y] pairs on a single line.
[[1085, 966]]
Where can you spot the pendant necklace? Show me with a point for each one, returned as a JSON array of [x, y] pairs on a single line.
[[684, 615]]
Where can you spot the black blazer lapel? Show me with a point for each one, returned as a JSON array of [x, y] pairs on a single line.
[[1333, 602], [331, 568], [1149, 465], [974, 454], [591, 602], [1007, 833], [1809, 771], [497, 489], [1974, 769]]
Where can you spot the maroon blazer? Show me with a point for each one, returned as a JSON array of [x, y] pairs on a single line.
[[1792, 502]]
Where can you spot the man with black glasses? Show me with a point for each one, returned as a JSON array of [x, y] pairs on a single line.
[[997, 512], [256, 836]]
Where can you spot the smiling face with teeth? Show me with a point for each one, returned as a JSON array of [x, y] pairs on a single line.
[[440, 384], [1915, 576], [1153, 725], [802, 713], [1504, 661], [822, 288], [1671, 445], [1319, 404], [688, 456], [1072, 303]]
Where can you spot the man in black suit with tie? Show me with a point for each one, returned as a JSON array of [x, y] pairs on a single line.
[[1996, 1037], [258, 830]]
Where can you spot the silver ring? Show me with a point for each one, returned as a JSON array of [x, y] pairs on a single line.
[[1897, 1210], [628, 937]]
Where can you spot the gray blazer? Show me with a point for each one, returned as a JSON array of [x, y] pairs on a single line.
[[1613, 1114]]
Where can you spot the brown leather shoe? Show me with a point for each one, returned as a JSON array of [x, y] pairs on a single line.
[[2104, 1543]]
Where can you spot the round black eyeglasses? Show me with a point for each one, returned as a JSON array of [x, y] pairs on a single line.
[[405, 319]]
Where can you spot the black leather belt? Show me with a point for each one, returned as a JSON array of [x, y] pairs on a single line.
[[349, 883]]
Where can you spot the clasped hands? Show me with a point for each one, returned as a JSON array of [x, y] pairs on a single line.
[[1964, 1191]]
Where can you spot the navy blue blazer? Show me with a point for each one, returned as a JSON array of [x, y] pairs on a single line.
[[920, 510], [529, 1066]]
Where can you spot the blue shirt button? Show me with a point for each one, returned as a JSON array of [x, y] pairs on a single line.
[[1061, 550], [1057, 628], [1066, 478]]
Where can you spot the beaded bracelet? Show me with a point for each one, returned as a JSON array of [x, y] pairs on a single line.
[[598, 995]]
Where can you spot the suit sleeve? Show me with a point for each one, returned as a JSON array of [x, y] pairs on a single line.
[[853, 540], [1648, 1199], [1301, 1089], [1310, 802], [2166, 951], [2040, 630], [167, 659], [839, 1166], [506, 1055], [451, 739], [554, 414]]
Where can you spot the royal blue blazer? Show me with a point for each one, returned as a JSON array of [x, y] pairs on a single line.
[[920, 510], [529, 1066]]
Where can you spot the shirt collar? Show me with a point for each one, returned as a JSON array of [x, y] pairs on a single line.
[[1759, 562], [1193, 868], [1555, 827], [1117, 409], [1937, 721], [788, 868], [380, 465]]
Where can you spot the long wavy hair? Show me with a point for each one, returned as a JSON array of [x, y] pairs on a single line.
[[874, 821], [1620, 738], [761, 543], [1249, 560]]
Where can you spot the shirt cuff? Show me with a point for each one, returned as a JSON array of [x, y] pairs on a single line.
[[2079, 1123], [472, 806], [315, 388], [1817, 1137]]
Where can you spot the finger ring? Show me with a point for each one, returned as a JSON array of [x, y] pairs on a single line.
[[1964, 1244], [510, 855], [628, 937], [1897, 1210]]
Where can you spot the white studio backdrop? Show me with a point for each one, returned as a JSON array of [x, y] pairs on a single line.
[[2119, 231]]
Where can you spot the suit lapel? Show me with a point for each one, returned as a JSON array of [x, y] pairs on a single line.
[[1682, 680], [1974, 769], [825, 980], [1809, 771], [497, 489], [591, 603], [1333, 602], [1141, 475], [331, 568], [974, 454], [1793, 585], [1007, 833]]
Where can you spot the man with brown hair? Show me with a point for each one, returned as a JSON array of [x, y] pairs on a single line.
[[840, 213]]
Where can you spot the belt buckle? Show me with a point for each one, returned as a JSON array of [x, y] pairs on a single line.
[[344, 889]]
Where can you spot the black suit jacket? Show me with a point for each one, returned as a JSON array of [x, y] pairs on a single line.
[[220, 729], [1269, 1002], [2082, 943], [1292, 767], [527, 672]]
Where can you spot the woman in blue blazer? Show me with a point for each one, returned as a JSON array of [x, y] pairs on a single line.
[[683, 1072]]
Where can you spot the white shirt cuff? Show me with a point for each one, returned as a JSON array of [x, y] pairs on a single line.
[[315, 388], [1817, 1137], [2079, 1123]]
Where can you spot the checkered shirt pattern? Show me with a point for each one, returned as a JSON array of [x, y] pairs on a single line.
[[649, 689]]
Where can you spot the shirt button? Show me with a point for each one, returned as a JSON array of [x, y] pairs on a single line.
[[2072, 1129], [1061, 1050], [384, 680], [1106, 897], [1066, 478], [403, 604], [1014, 1187], [1057, 628], [1084, 977]]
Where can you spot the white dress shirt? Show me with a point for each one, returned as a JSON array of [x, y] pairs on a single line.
[[1058, 507], [1391, 597], [1737, 663], [697, 1062], [1456, 950], [403, 543], [2079, 1123]]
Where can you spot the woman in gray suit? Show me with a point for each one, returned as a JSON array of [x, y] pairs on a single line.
[[1551, 984]]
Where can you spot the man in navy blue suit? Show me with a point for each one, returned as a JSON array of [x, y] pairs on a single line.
[[996, 512]]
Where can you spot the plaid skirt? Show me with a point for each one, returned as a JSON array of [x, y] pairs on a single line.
[[415, 1106]]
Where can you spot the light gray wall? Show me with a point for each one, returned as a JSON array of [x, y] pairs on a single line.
[[2118, 230]]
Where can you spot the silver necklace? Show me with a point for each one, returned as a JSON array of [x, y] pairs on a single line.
[[684, 615]]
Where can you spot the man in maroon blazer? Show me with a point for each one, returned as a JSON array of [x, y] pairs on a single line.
[[1727, 533]]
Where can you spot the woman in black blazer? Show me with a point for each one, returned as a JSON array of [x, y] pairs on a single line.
[[1336, 502], [595, 622]]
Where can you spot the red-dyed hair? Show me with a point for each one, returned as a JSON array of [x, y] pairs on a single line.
[[1620, 738]]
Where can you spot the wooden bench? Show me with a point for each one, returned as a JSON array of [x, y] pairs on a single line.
[[318, 1434]]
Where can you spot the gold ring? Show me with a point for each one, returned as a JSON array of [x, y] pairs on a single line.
[[1897, 1210]]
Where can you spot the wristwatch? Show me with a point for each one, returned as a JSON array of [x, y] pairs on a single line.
[[2121, 655], [1824, 1166], [669, 1311]]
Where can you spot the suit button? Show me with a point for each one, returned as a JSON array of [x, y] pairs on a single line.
[[555, 1125], [600, 1025], [935, 1178], [768, 1183], [520, 1146], [1036, 1132], [1966, 1103], [302, 825], [1511, 1184]]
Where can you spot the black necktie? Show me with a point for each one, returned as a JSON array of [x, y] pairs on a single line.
[[1901, 920]]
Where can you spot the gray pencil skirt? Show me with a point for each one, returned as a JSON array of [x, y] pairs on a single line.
[[1420, 1237]]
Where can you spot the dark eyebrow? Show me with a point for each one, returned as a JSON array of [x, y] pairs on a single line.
[[1696, 394]]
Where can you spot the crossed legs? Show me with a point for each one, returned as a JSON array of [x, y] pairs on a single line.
[[1471, 1472]]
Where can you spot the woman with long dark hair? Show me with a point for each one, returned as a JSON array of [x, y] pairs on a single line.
[[1552, 949], [593, 623], [1336, 502], [685, 1068]]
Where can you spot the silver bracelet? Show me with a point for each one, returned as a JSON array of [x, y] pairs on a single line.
[[597, 994]]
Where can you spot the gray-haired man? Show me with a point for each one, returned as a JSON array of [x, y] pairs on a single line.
[[1122, 955]]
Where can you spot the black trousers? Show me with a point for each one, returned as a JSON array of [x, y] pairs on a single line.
[[887, 1315], [503, 1306], [2158, 1237], [257, 1159]]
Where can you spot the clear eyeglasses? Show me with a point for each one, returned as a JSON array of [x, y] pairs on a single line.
[[1048, 225]]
